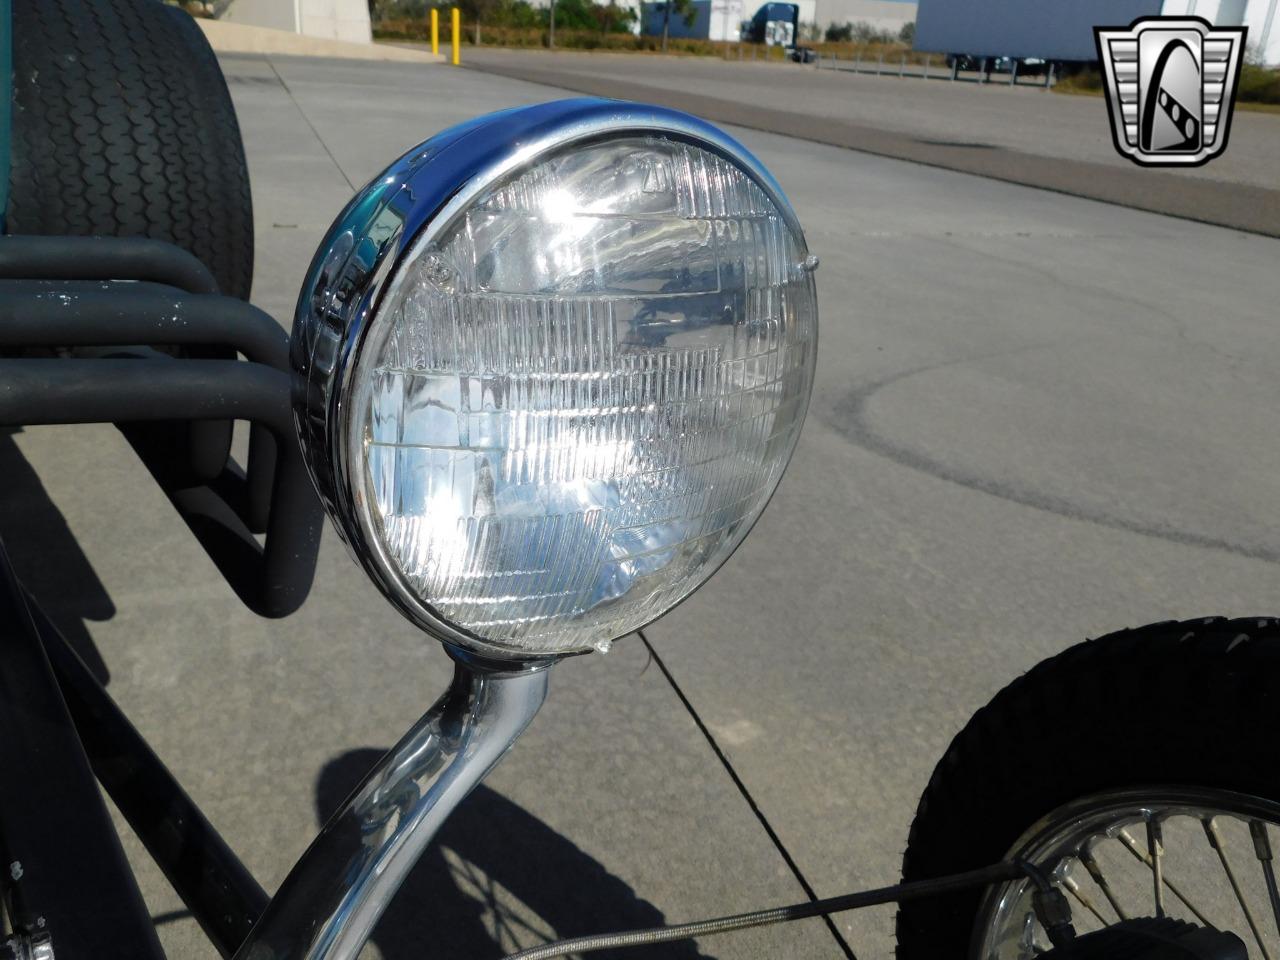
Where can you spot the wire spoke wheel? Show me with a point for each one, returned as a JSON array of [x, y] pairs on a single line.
[[1137, 772], [1203, 856]]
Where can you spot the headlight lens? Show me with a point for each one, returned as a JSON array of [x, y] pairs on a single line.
[[579, 390]]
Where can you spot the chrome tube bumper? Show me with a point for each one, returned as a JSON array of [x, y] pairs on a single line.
[[328, 905]]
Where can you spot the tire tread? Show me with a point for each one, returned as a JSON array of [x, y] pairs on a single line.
[[123, 126], [1173, 702]]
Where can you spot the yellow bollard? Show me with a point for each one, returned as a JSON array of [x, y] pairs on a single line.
[[435, 30], [457, 36]]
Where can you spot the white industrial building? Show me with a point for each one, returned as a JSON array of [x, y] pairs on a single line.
[[887, 15], [722, 19], [1058, 30], [1259, 16]]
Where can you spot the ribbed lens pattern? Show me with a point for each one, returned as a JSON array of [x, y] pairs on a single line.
[[587, 389]]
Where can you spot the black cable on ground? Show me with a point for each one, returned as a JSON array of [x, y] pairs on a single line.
[[746, 795], [759, 918]]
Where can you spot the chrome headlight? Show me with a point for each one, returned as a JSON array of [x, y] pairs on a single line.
[[551, 365]]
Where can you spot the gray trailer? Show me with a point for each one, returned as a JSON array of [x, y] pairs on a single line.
[[1052, 30]]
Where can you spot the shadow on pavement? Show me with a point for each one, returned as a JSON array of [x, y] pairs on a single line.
[[497, 879], [47, 557]]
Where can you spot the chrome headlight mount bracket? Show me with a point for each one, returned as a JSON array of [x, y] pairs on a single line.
[[329, 903]]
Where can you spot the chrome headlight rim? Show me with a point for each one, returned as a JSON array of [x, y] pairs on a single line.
[[362, 263]]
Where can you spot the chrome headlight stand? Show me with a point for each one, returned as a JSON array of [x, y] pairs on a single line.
[[328, 905]]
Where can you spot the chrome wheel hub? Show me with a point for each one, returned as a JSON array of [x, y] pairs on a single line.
[[1201, 855]]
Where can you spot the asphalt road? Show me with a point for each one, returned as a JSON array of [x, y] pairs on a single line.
[[1037, 418], [1022, 135]]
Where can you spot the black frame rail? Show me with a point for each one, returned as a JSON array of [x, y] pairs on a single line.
[[71, 877], [134, 332], [65, 870]]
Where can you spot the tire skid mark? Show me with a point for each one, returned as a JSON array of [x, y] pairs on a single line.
[[850, 418]]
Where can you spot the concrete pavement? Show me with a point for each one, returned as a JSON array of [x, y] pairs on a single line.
[[1021, 135], [1037, 418]]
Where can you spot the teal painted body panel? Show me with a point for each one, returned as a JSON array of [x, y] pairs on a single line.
[[6, 101]]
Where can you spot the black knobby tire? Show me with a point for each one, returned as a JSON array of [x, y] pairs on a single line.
[[123, 126], [1191, 704]]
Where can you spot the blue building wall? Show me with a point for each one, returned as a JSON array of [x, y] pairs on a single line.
[[651, 21]]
